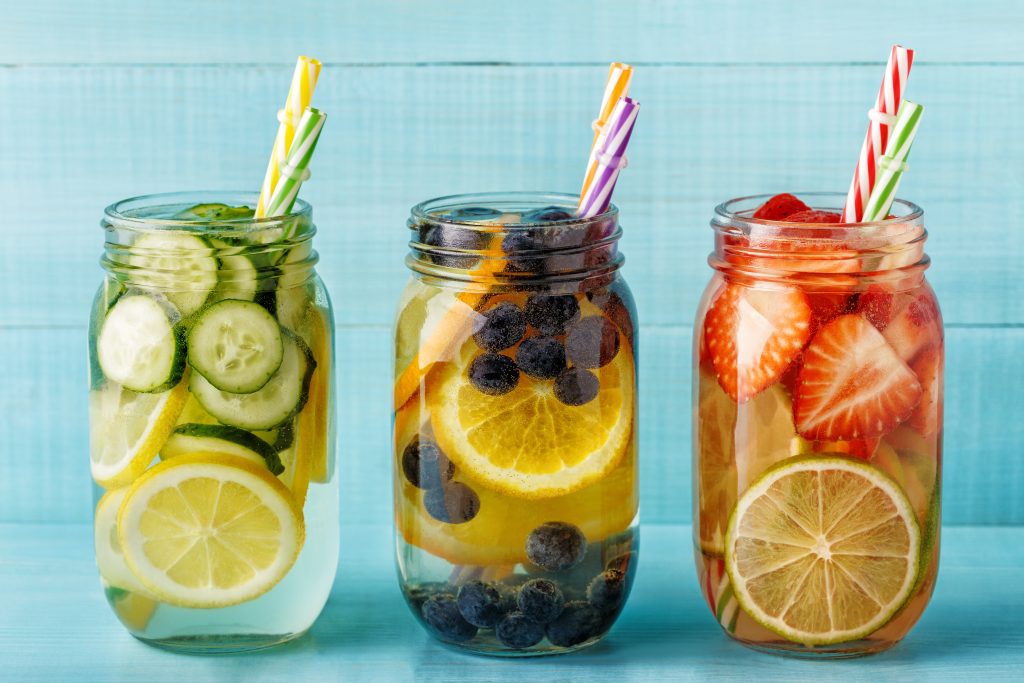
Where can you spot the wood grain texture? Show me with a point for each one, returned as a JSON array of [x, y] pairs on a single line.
[[45, 454], [55, 625], [399, 135], [534, 31]]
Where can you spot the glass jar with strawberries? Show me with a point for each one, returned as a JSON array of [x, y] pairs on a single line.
[[515, 451], [817, 426]]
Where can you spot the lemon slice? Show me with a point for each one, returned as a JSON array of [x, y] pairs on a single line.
[[527, 443], [297, 460], [497, 534], [823, 550], [127, 430], [318, 414], [109, 557], [734, 447], [208, 530]]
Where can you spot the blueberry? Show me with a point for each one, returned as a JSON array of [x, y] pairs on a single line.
[[546, 215], [425, 466], [556, 546], [541, 357], [417, 594], [473, 213], [508, 597], [504, 325], [592, 342], [493, 374], [455, 238], [578, 623], [480, 604], [541, 600], [452, 504], [607, 591], [515, 244], [519, 631], [442, 615], [551, 314], [576, 386]]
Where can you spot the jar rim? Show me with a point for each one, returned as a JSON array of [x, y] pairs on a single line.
[[904, 213], [119, 214], [428, 210]]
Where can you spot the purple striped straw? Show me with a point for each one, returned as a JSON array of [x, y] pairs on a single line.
[[610, 155]]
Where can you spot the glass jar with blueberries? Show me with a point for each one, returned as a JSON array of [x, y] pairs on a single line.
[[515, 450]]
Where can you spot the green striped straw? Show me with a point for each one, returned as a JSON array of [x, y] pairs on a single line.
[[892, 165], [295, 167]]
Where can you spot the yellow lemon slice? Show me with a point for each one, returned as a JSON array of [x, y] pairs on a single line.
[[497, 534], [109, 557], [209, 530], [317, 414], [527, 443], [127, 430], [823, 550]]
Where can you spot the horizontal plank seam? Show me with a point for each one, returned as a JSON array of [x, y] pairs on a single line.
[[499, 64]]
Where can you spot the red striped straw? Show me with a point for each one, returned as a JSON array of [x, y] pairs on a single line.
[[882, 117], [610, 155]]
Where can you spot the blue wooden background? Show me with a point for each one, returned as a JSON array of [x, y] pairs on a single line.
[[106, 99]]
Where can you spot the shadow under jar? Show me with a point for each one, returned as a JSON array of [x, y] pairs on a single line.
[[515, 458], [817, 430], [212, 423]]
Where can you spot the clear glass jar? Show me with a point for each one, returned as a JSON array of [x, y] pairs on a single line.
[[515, 454], [212, 423], [818, 366]]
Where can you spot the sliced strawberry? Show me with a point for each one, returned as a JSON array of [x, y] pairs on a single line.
[[876, 303], [852, 384], [928, 414], [752, 336], [780, 206], [813, 216], [828, 305], [915, 327]]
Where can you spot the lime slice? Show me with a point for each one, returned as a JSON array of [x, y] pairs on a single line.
[[208, 530], [823, 550], [127, 430]]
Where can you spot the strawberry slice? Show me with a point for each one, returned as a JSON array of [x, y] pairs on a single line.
[[780, 206], [915, 327], [928, 414], [852, 385], [876, 303], [752, 335], [813, 216]]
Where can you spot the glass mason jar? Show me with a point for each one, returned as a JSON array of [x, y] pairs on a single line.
[[212, 423], [515, 453], [817, 430]]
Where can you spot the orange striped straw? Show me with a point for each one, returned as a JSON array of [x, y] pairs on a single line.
[[619, 76], [307, 71]]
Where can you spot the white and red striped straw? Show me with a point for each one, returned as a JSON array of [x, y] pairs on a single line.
[[610, 155], [882, 117]]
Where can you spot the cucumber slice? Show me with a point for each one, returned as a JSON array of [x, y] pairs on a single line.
[[140, 347], [237, 276], [214, 212], [279, 399], [189, 438], [107, 295], [178, 265], [235, 345]]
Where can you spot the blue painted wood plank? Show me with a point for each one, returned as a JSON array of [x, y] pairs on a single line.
[[55, 625], [394, 31], [43, 430], [398, 135]]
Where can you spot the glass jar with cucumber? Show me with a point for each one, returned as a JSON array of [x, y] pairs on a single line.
[[212, 422]]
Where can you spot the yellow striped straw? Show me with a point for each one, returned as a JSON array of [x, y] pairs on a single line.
[[619, 75], [307, 70]]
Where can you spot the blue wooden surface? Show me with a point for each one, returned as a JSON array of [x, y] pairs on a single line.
[[55, 624]]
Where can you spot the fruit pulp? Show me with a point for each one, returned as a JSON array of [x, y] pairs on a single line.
[[786, 370], [300, 449], [517, 435]]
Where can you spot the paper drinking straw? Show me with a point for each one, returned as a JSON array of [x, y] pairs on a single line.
[[619, 76], [881, 119], [295, 168], [894, 163], [300, 93], [610, 155]]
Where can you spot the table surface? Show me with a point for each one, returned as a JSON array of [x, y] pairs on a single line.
[[55, 625]]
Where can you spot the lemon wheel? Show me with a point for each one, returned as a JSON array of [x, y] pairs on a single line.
[[207, 530], [823, 550]]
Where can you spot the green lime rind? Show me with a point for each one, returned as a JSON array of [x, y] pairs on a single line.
[[218, 438], [929, 537], [811, 463]]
